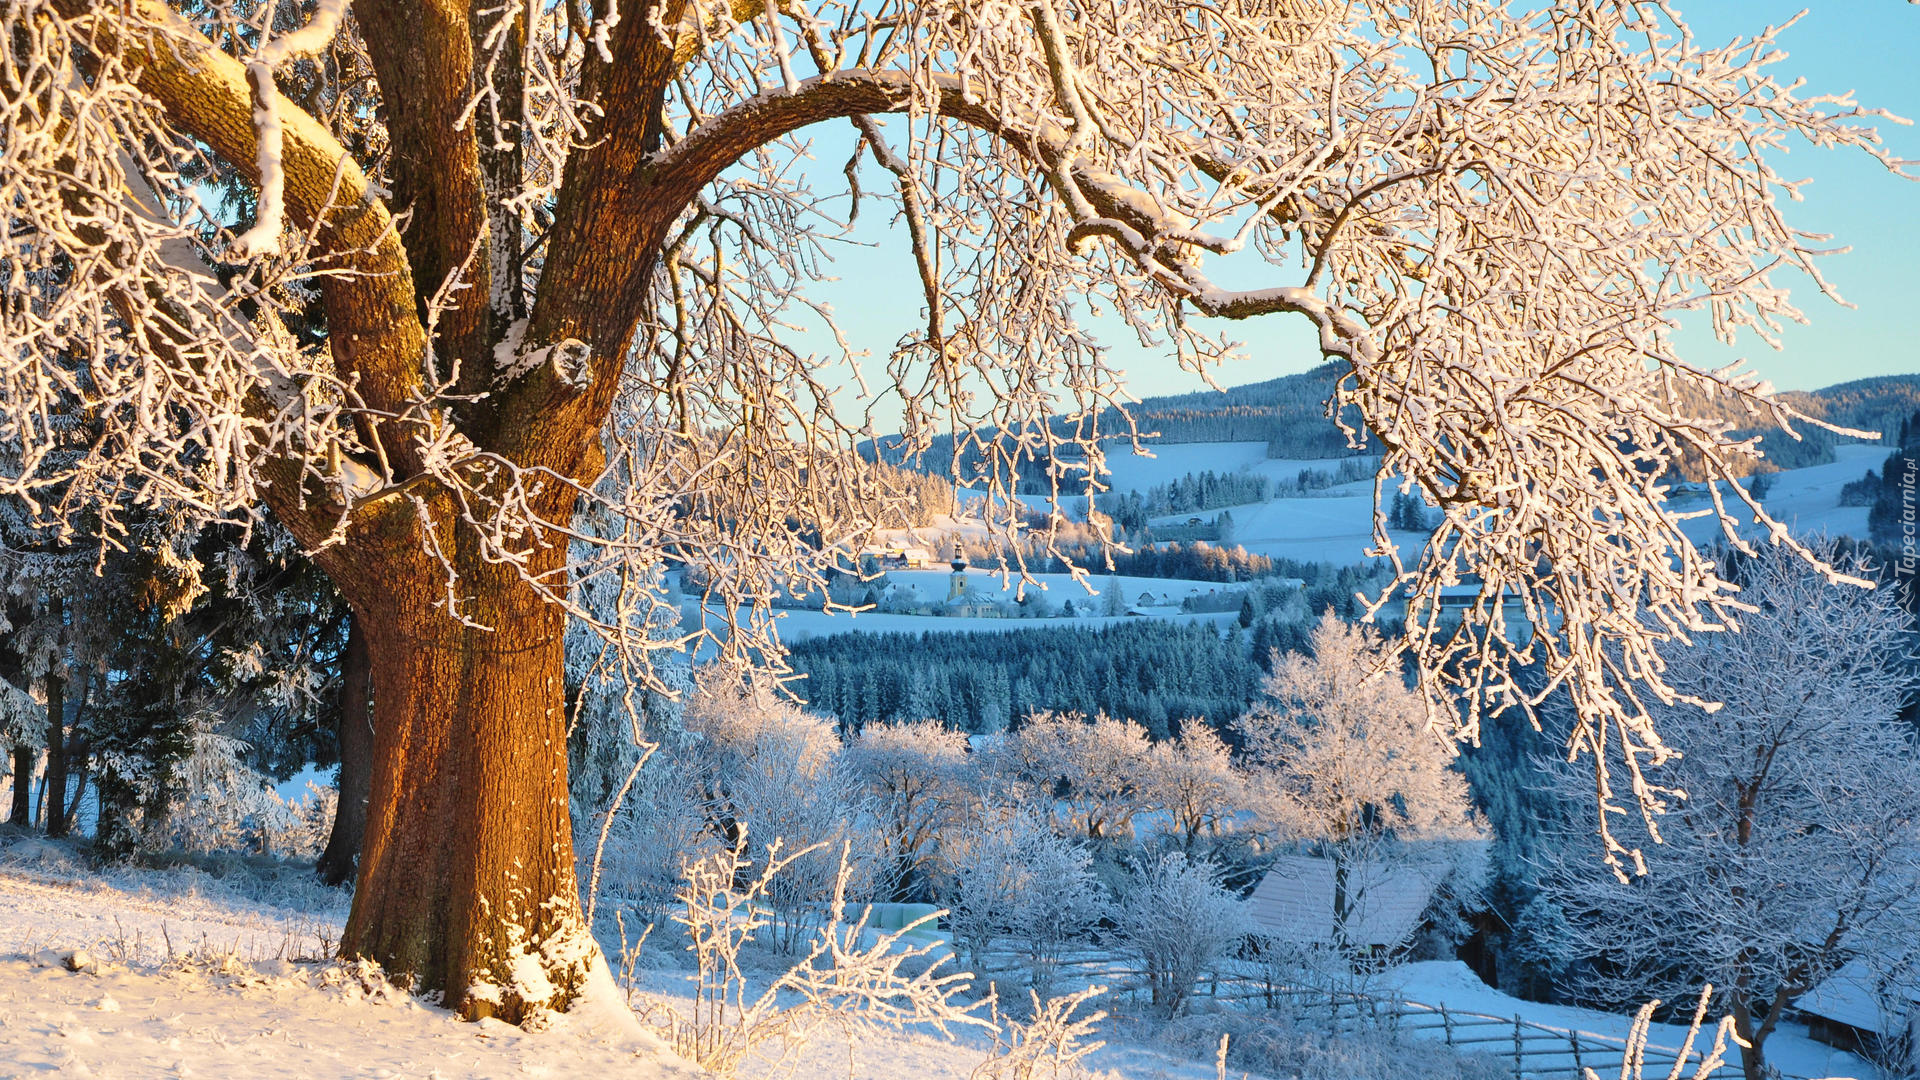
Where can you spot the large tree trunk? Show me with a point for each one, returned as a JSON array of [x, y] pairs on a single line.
[[466, 882], [355, 739]]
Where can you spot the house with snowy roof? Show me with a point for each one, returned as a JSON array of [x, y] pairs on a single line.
[[1865, 1011], [1297, 903]]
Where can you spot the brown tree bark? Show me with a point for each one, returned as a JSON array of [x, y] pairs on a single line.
[[467, 864], [354, 736]]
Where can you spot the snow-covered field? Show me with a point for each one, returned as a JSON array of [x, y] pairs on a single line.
[[1334, 525], [1806, 500], [1171, 461], [1337, 525], [183, 973]]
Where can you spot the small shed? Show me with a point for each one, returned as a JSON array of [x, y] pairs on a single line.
[[1861, 1010], [1294, 902]]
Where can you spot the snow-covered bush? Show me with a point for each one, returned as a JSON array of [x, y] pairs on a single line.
[[1050, 1046], [918, 784], [1011, 884], [1177, 921], [213, 801]]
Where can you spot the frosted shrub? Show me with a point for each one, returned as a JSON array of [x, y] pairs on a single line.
[[850, 978], [1177, 921], [1191, 779], [1011, 883]]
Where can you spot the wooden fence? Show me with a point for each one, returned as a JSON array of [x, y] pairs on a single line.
[[1529, 1050]]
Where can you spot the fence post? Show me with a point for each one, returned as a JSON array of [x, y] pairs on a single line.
[[1579, 1067], [1517, 1066], [1446, 1022]]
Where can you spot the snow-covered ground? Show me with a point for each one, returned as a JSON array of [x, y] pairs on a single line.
[[1453, 984], [188, 973]]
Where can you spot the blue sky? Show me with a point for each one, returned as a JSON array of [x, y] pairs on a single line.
[[1869, 46]]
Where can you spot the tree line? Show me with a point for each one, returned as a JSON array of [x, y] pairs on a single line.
[[1155, 672]]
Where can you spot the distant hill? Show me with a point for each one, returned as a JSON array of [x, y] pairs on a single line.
[[1289, 415], [1877, 404]]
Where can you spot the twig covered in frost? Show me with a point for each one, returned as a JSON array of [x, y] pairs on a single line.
[[1051, 1046], [1634, 1060], [270, 217], [842, 980]]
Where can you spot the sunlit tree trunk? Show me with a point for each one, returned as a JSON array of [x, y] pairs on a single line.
[[467, 864]]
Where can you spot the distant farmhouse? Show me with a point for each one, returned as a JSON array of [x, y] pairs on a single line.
[[897, 556], [1858, 1010], [1386, 902]]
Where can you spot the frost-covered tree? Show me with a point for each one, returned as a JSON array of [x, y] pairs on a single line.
[[1176, 919], [919, 785], [1093, 771], [1796, 844], [1342, 761], [771, 775], [1192, 779], [1010, 883], [540, 256]]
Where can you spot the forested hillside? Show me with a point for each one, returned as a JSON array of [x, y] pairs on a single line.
[[1155, 673]]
